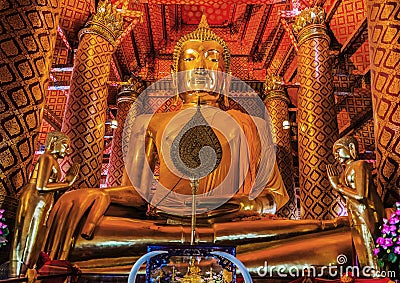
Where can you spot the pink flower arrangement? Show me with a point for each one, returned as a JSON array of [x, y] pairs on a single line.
[[3, 230], [388, 244]]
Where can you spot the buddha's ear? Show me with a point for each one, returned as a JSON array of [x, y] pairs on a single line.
[[226, 85], [174, 78], [353, 150], [227, 82]]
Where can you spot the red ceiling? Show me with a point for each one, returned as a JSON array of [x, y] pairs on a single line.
[[217, 14]]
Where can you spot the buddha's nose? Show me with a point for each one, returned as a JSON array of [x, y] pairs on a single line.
[[201, 71], [201, 64]]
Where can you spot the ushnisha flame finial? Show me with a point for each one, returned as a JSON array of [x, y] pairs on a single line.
[[203, 22]]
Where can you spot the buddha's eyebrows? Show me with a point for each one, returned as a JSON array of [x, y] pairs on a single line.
[[190, 51], [214, 51]]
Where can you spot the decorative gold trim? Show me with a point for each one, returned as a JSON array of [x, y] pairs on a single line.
[[312, 31], [277, 94], [273, 89], [131, 90], [126, 97], [107, 22], [100, 29], [273, 82], [310, 22], [309, 16]]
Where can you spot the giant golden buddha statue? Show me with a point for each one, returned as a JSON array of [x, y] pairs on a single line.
[[93, 226], [247, 174]]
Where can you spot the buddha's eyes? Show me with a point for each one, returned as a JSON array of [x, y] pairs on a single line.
[[189, 55], [212, 55]]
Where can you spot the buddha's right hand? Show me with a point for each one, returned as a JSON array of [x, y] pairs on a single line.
[[66, 217], [261, 205]]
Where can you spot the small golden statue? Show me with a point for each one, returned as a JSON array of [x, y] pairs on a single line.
[[193, 273], [364, 206], [173, 278], [211, 277], [37, 201], [227, 276]]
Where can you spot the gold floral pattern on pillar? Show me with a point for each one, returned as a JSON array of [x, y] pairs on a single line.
[[277, 101], [85, 114], [317, 122], [384, 46]]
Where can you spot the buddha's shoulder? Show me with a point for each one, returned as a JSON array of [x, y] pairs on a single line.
[[241, 115], [146, 119], [159, 121], [246, 119]]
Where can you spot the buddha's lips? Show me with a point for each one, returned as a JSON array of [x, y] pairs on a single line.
[[201, 80], [199, 76]]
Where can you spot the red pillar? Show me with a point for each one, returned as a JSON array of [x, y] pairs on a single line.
[[125, 100], [28, 30], [277, 102], [85, 113], [317, 121]]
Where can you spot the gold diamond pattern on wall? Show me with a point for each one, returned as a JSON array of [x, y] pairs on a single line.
[[75, 14], [343, 83], [41, 140], [343, 119], [85, 113], [384, 40], [317, 123], [27, 37], [359, 102], [346, 18]]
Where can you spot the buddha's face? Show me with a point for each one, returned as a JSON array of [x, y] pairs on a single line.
[[61, 148], [341, 153], [201, 68]]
